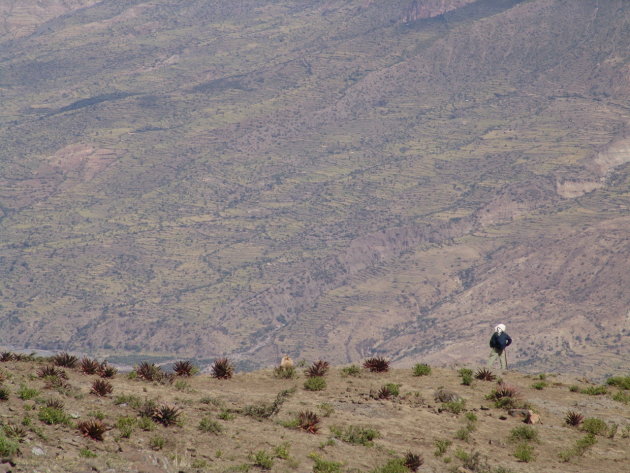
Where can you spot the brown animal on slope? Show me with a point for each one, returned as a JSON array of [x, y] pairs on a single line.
[[286, 362]]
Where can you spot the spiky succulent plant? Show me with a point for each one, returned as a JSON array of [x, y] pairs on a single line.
[[93, 428], [308, 421], [318, 368], [376, 364], [222, 369], [101, 387]]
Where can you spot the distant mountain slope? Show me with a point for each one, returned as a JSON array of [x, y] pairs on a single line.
[[23, 17], [344, 178]]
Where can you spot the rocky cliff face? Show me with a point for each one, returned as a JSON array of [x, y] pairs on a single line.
[[422, 9]]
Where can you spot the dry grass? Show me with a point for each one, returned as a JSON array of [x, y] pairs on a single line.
[[397, 425]]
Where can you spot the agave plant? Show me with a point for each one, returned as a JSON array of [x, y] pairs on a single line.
[[184, 368], [7, 356], [89, 366], [148, 371], [318, 368], [50, 371], [573, 418], [485, 374], [166, 414], [388, 391], [94, 428], [101, 387], [376, 364], [65, 359], [55, 404], [308, 421], [222, 369], [106, 370], [147, 408], [504, 390], [413, 461]]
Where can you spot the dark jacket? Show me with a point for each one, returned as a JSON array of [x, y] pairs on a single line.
[[499, 342]]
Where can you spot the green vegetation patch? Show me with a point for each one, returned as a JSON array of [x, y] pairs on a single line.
[[355, 434]]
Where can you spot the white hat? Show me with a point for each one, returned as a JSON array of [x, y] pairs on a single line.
[[499, 328]]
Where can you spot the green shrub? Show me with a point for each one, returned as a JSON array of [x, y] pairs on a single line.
[[621, 396], [524, 433], [421, 369], [524, 452], [595, 426], [8, 448], [52, 415], [455, 407], [87, 453], [594, 390], [182, 385], [580, 447], [25, 393], [395, 465], [387, 391], [225, 414], [355, 435], [315, 383], [441, 446], [4, 393], [471, 417], [264, 410], [323, 466], [125, 425], [352, 370], [574, 389], [128, 399], [146, 423], [216, 402], [622, 382], [466, 375], [472, 461], [284, 372], [282, 451], [540, 385], [208, 425], [326, 408], [463, 434], [157, 442], [263, 460]]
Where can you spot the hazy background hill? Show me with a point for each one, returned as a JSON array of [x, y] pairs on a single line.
[[326, 179]]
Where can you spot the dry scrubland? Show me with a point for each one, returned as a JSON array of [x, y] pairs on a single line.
[[250, 421]]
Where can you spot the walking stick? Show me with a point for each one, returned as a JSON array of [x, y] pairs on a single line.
[[505, 353]]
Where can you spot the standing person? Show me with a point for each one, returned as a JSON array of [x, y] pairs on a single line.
[[498, 342]]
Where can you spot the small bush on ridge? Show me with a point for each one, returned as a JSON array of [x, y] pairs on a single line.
[[421, 369], [316, 383], [355, 435]]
